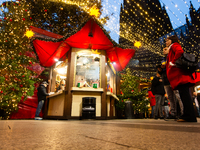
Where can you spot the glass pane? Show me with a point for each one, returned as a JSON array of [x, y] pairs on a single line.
[[61, 75], [87, 69], [108, 79]]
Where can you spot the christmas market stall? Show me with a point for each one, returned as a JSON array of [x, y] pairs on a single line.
[[83, 68]]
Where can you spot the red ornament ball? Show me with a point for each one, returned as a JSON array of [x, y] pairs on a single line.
[[5, 18], [10, 19], [30, 62], [23, 75], [23, 19], [30, 17], [1, 92], [21, 85], [45, 10], [25, 9], [0, 20]]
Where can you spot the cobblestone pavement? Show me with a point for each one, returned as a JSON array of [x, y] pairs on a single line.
[[131, 134]]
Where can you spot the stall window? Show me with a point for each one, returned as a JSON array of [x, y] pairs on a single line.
[[87, 69], [110, 79], [60, 71]]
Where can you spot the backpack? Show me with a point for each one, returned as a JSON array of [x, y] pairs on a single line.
[[187, 62]]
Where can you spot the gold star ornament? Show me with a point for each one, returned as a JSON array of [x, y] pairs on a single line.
[[29, 33], [137, 44], [94, 11]]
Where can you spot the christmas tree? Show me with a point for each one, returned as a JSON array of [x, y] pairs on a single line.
[[62, 18], [16, 80], [130, 92]]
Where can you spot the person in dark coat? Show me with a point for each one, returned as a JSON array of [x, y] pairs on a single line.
[[157, 89], [41, 94], [180, 79]]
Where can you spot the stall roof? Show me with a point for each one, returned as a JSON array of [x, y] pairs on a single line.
[[90, 35]]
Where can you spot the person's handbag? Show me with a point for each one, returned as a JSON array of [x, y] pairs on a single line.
[[187, 62]]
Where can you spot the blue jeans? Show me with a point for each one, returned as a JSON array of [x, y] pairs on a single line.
[[198, 111], [158, 107], [166, 109], [152, 111], [39, 108]]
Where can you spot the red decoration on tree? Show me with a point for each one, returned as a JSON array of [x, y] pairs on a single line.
[[23, 75], [21, 85], [5, 18], [4, 3], [23, 19], [10, 19], [0, 20], [25, 9], [30, 62], [45, 10], [1, 91], [30, 17]]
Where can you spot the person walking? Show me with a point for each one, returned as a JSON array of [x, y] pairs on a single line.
[[41, 94], [173, 95], [179, 79], [157, 89], [152, 102]]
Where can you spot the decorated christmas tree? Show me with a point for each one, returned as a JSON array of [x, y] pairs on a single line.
[[63, 17], [130, 91], [16, 56]]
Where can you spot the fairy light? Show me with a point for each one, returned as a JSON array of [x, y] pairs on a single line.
[[143, 27]]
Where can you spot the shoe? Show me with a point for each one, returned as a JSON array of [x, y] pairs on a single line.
[[38, 118], [181, 120], [165, 119], [161, 117]]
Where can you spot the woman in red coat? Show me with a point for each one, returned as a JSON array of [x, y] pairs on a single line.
[[179, 79]]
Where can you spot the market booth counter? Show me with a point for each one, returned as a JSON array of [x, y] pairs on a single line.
[[56, 104], [82, 66]]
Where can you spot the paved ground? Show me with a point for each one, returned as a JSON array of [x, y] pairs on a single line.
[[132, 134]]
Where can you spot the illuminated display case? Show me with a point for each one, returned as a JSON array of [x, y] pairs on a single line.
[[59, 76], [87, 69], [110, 79]]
